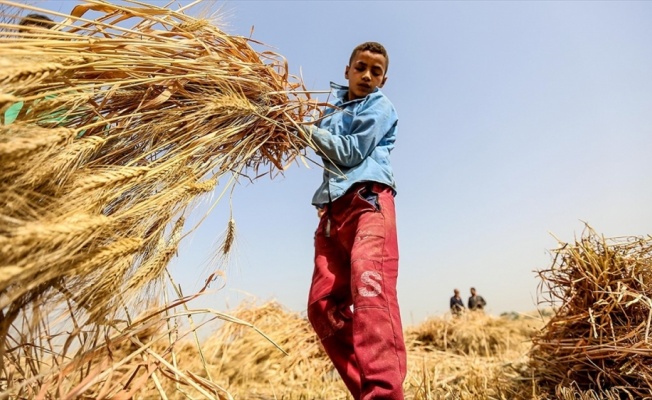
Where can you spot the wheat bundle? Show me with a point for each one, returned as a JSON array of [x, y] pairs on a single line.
[[298, 368], [434, 374], [599, 338], [128, 114], [473, 356], [474, 334]]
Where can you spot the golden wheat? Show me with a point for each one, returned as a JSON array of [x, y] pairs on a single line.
[[122, 128]]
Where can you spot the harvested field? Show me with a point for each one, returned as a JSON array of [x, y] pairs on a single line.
[[133, 114], [287, 362], [476, 356]]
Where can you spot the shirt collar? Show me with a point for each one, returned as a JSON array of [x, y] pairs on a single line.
[[340, 91]]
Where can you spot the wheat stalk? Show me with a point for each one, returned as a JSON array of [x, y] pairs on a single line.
[[128, 119]]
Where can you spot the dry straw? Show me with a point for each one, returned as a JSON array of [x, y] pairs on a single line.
[[130, 114], [254, 368], [474, 333], [600, 339], [473, 356]]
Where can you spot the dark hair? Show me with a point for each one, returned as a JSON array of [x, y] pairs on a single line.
[[373, 47], [39, 20]]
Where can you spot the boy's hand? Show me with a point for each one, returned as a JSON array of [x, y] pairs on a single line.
[[299, 136], [305, 131], [305, 134]]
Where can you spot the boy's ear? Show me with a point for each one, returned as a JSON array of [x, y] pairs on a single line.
[[346, 72]]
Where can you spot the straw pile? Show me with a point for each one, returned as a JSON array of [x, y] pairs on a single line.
[[474, 334], [288, 361], [252, 366], [474, 356], [599, 340], [130, 114]]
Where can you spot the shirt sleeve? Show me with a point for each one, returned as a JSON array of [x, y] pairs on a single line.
[[370, 124]]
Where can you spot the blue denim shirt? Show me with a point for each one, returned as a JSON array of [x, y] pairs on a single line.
[[355, 141]]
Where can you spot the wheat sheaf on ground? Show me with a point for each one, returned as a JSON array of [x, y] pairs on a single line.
[[130, 114], [600, 339]]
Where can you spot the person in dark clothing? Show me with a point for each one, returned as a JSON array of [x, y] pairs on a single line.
[[476, 302], [456, 303]]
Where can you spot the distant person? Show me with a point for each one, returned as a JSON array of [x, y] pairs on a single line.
[[476, 302], [456, 303], [356, 246]]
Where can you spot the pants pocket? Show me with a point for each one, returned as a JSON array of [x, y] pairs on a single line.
[[367, 194]]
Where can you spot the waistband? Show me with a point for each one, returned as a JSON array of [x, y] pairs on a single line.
[[371, 186], [368, 185]]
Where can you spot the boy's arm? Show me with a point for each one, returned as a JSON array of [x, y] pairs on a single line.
[[367, 129]]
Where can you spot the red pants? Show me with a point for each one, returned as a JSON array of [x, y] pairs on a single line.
[[356, 263]]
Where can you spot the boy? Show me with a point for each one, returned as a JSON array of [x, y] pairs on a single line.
[[352, 304]]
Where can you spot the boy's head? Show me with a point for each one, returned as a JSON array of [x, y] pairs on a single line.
[[35, 20], [367, 69]]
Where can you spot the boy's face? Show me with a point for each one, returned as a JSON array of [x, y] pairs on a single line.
[[365, 74]]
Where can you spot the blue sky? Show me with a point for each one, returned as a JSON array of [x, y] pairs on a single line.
[[517, 121]]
